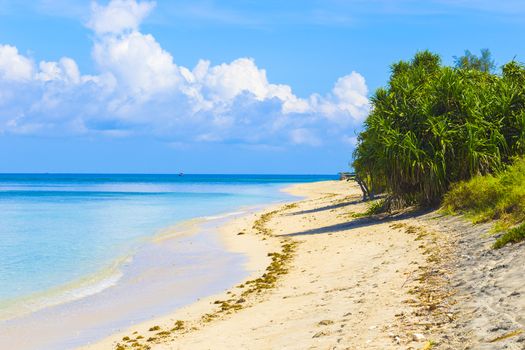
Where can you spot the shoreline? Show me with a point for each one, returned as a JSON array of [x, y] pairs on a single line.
[[98, 281], [320, 274], [302, 302], [195, 228], [257, 251]]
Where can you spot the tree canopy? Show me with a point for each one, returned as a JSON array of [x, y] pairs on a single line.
[[433, 125], [483, 63]]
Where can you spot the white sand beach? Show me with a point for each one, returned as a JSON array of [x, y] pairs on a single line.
[[322, 276], [345, 285]]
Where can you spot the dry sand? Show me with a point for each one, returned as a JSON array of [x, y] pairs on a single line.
[[340, 281], [344, 286], [488, 287]]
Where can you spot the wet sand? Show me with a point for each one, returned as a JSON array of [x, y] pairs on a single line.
[[180, 265]]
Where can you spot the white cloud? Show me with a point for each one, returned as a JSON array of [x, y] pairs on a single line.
[[141, 66], [140, 89], [350, 96], [228, 80], [222, 83], [304, 136], [118, 16], [14, 66], [351, 89], [65, 69]]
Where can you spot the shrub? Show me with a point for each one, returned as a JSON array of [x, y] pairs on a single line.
[[498, 197], [514, 235], [375, 207]]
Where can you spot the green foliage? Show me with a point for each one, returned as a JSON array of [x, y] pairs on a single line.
[[483, 63], [492, 197], [498, 197], [435, 125], [514, 235], [375, 207], [477, 198]]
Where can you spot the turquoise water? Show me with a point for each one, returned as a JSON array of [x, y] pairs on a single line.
[[56, 229]]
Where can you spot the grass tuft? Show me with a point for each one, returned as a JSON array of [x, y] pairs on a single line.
[[513, 235], [376, 207]]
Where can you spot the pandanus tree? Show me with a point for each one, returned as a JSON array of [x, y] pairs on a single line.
[[434, 125], [483, 63]]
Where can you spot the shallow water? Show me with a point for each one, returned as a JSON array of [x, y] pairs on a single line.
[[63, 237], [162, 276]]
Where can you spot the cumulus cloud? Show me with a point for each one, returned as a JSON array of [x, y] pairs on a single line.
[[14, 66], [139, 89], [65, 69], [118, 16], [138, 62]]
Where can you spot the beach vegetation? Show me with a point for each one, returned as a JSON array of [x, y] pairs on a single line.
[[514, 235], [376, 207], [499, 197], [433, 125], [482, 63], [154, 328], [260, 224]]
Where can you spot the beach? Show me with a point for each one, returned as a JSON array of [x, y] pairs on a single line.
[[320, 273], [86, 255], [257, 175], [343, 282]]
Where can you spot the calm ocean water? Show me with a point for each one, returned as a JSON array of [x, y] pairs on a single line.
[[56, 229]]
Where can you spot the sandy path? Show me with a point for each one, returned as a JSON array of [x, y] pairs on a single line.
[[343, 289]]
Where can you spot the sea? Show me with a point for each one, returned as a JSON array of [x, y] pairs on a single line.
[[61, 231]]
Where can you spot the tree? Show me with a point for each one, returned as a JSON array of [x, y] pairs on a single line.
[[483, 63], [434, 125]]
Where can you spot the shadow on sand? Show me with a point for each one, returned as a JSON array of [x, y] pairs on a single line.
[[328, 207], [362, 222], [357, 199]]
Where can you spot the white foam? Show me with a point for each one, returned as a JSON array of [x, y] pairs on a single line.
[[64, 294], [223, 216]]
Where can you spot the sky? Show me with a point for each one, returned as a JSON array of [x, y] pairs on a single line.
[[204, 86]]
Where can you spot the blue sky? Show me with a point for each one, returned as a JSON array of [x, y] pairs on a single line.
[[215, 87]]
